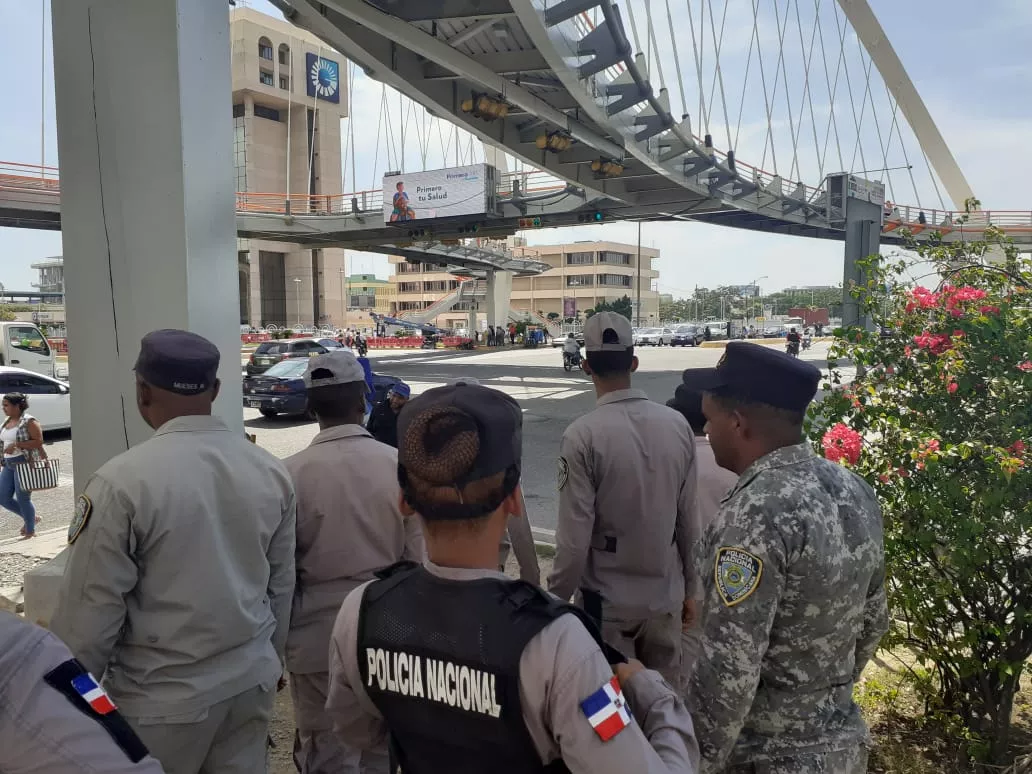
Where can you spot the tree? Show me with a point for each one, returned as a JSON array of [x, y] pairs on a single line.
[[620, 306], [939, 424]]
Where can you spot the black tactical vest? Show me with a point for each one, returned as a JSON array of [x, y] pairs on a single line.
[[440, 659]]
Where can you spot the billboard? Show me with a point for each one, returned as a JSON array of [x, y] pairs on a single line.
[[440, 193], [322, 78], [569, 307]]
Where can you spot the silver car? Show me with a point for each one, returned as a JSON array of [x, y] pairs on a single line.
[[654, 337]]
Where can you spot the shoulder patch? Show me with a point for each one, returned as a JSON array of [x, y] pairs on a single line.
[[564, 472], [606, 710], [83, 509], [737, 573], [79, 687]]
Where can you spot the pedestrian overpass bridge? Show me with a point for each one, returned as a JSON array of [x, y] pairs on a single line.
[[30, 197]]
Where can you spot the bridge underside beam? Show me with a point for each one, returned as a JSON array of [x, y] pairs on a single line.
[[434, 10]]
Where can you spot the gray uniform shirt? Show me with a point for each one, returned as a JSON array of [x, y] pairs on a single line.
[[178, 588], [627, 517], [794, 608], [348, 527], [40, 730], [560, 667]]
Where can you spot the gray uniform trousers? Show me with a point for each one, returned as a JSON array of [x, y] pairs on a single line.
[[317, 750], [655, 641], [226, 738]]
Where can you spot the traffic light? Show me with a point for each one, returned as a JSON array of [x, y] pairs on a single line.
[[591, 217], [530, 222], [418, 233], [469, 228]]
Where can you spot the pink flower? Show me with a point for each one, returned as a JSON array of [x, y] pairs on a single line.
[[884, 478], [951, 387], [931, 446], [923, 298], [1025, 366], [842, 443], [908, 351], [1018, 447], [936, 343], [989, 309], [958, 334]]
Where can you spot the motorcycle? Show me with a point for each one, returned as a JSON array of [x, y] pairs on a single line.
[[792, 348], [571, 361], [807, 341], [363, 348]]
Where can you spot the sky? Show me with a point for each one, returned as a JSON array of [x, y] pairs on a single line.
[[971, 82]]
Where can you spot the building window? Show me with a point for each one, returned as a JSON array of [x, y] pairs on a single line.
[[240, 152], [238, 111], [580, 281], [265, 49], [284, 54], [614, 280], [284, 82], [408, 287], [620, 259], [260, 111], [266, 78], [579, 259]]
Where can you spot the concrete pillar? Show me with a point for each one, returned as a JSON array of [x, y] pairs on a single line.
[[863, 238], [471, 321], [499, 294], [145, 137]]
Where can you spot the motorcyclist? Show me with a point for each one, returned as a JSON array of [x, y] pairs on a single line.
[[571, 349], [793, 339], [807, 338]]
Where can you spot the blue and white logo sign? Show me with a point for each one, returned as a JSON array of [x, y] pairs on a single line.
[[323, 78]]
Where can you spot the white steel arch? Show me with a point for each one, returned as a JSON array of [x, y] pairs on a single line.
[[879, 48]]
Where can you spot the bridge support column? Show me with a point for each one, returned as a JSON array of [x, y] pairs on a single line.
[[499, 295], [145, 138], [863, 238]]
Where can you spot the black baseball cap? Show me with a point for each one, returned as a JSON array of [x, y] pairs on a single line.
[[178, 361], [758, 374]]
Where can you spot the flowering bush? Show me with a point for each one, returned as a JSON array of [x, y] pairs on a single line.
[[938, 422]]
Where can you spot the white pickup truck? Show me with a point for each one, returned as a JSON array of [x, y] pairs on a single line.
[[23, 345]]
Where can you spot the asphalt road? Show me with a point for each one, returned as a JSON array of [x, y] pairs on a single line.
[[551, 398]]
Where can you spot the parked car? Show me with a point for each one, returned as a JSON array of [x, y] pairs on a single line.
[[49, 399], [271, 352], [654, 337], [687, 336], [279, 390]]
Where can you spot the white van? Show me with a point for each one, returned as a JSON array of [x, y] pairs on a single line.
[[23, 345]]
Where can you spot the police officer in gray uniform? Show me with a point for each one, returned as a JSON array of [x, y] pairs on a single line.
[[470, 671], [180, 571], [628, 521], [53, 716], [794, 602]]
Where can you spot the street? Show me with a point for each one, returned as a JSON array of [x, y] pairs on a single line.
[[551, 398]]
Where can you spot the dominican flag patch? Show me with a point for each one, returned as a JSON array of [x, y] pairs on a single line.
[[606, 710], [93, 694]]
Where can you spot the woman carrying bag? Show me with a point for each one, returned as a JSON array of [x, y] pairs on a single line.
[[22, 440]]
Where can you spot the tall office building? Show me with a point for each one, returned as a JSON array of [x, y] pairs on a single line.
[[289, 96]]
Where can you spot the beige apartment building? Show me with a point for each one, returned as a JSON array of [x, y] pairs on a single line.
[[583, 274], [289, 96]]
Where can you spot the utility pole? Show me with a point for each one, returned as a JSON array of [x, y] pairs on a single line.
[[638, 290]]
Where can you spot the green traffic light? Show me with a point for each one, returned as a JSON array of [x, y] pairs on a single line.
[[598, 217]]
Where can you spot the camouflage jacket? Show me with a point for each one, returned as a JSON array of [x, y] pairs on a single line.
[[793, 608]]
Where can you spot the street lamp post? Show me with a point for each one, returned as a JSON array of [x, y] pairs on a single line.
[[344, 300], [755, 284], [297, 285]]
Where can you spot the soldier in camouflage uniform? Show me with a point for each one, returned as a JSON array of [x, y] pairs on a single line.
[[794, 599]]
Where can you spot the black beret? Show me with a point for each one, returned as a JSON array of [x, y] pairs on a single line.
[[178, 361], [759, 374], [496, 419]]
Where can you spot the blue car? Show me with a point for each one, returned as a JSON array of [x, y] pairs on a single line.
[[281, 389]]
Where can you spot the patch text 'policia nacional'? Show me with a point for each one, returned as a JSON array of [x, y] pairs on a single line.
[[457, 686]]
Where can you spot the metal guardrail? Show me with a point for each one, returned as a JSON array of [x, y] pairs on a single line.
[[26, 183]]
